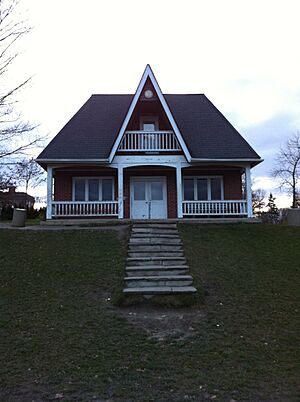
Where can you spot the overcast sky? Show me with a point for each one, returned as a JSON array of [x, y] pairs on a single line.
[[244, 55]]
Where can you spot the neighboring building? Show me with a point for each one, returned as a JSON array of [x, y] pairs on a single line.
[[16, 198], [148, 156]]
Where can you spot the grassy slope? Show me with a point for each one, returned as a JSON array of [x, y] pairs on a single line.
[[59, 335]]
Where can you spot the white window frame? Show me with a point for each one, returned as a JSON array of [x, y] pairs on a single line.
[[208, 186], [145, 119], [86, 189]]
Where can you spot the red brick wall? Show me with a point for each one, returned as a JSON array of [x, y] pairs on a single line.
[[152, 171]]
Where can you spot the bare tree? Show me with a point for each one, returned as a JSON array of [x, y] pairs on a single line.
[[16, 136], [287, 166], [258, 200], [29, 173]]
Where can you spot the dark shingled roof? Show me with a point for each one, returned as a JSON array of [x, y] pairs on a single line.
[[91, 133]]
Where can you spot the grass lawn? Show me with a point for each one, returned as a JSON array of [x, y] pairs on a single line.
[[61, 338]]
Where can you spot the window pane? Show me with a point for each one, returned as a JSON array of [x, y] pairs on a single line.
[[107, 189], [157, 191], [188, 189], [79, 189], [215, 185], [139, 190], [93, 189], [149, 127], [202, 189]]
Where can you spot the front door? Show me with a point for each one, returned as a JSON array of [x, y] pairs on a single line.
[[148, 198]]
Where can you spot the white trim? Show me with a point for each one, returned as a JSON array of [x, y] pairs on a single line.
[[248, 191], [149, 74], [86, 178], [208, 177], [259, 160], [72, 160], [49, 192], [120, 192], [179, 182], [155, 160]]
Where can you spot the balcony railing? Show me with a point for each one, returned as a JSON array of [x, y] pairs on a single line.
[[224, 207], [147, 141], [84, 208]]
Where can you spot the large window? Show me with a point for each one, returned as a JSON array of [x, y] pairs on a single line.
[[93, 189], [202, 188]]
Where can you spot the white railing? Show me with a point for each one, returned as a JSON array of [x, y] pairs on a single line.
[[224, 207], [84, 208], [141, 141]]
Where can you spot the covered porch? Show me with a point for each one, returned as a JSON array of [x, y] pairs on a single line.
[[161, 191]]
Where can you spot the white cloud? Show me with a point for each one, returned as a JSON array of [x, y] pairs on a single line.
[[242, 54]]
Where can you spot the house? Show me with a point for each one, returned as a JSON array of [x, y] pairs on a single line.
[[148, 156], [16, 198]]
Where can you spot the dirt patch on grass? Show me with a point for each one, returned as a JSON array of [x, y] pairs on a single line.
[[162, 322]]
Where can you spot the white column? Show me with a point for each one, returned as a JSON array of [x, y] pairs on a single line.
[[248, 191], [179, 190], [120, 192], [49, 192]]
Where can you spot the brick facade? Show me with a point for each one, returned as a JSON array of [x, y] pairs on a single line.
[[63, 182]]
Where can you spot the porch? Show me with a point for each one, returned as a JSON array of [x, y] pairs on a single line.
[[147, 192], [76, 209]]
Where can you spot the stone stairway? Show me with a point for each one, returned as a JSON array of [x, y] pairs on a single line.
[[155, 262]]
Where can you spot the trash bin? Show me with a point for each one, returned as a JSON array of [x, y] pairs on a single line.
[[19, 217]]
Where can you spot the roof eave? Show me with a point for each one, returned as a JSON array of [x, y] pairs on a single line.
[[252, 161]]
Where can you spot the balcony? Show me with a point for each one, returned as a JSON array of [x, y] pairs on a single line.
[[149, 141]]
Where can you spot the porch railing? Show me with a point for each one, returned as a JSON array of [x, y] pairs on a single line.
[[141, 141], [84, 208], [224, 207]]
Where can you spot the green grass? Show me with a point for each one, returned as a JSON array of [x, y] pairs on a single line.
[[60, 334]]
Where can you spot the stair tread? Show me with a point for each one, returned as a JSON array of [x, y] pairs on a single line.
[[159, 278], [154, 267], [155, 258], [161, 289]]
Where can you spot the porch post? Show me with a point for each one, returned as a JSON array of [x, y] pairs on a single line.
[[120, 192], [179, 191], [49, 192], [248, 191]]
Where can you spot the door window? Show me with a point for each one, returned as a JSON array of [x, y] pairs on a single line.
[[139, 191], [157, 191]]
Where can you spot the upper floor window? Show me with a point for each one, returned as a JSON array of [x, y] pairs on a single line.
[[149, 123]]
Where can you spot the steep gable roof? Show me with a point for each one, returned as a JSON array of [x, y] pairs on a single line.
[[207, 133], [95, 131], [91, 132]]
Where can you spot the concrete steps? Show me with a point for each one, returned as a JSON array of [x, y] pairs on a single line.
[[157, 270], [161, 280], [156, 262]]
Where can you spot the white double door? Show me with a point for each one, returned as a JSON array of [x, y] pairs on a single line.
[[148, 197]]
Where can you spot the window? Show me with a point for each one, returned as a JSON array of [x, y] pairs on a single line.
[[79, 192], [188, 189], [148, 126], [149, 123], [202, 188], [93, 189]]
